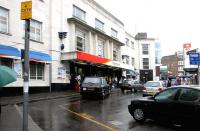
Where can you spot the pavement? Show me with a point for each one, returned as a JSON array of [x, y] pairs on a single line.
[[11, 115], [12, 100]]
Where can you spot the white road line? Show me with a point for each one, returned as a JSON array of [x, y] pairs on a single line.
[[32, 126]]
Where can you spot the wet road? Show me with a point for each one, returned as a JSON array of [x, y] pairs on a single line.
[[75, 114]]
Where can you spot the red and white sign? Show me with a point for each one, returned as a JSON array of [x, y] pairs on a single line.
[[187, 45]]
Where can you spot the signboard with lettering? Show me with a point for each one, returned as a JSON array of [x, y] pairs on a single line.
[[194, 58], [26, 10]]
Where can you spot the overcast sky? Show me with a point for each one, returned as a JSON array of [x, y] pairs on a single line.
[[173, 22]]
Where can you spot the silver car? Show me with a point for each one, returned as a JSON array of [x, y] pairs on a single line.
[[153, 87]]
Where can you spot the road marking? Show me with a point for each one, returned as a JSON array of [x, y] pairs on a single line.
[[116, 123], [89, 118], [32, 126]]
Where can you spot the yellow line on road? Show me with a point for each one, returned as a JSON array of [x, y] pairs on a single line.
[[87, 117]]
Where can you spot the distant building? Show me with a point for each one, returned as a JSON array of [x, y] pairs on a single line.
[[129, 56], [146, 56], [179, 54], [171, 62], [157, 53]]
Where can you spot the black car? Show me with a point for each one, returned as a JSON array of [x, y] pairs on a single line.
[[94, 86], [132, 85], [179, 105]]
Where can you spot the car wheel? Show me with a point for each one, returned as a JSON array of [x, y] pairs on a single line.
[[132, 90], [103, 95], [138, 114], [109, 92], [135, 90]]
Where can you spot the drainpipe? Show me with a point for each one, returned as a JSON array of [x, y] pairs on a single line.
[[50, 43]]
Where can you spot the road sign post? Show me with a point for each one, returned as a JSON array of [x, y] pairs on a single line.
[[26, 14]]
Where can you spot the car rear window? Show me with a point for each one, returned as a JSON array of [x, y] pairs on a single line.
[[127, 81], [92, 80], [152, 84]]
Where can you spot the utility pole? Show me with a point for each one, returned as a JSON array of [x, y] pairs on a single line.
[[26, 14], [26, 76]]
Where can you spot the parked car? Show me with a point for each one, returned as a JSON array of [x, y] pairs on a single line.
[[179, 105], [94, 86], [132, 85], [152, 87]]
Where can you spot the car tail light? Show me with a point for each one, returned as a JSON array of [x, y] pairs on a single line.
[[159, 89], [144, 89]]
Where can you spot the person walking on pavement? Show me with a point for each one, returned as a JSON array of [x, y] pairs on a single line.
[[169, 83]]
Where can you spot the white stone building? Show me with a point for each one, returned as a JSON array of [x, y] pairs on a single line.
[[12, 41], [129, 56], [68, 37], [146, 56]]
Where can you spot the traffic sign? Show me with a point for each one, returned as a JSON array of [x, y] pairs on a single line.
[[194, 58], [26, 10]]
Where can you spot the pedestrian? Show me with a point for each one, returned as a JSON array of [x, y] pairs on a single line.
[[178, 81], [77, 84], [169, 82]]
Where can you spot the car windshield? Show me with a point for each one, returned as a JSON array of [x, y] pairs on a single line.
[[92, 80], [152, 84]]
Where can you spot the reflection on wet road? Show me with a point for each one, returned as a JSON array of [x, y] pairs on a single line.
[[75, 114]]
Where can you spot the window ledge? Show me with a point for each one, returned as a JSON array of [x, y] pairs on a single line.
[[114, 38], [100, 30], [5, 33], [34, 40], [37, 41], [79, 19]]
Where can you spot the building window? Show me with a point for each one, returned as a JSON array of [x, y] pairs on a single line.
[[36, 71], [3, 20], [100, 48], [125, 59], [127, 41], [132, 45], [99, 25], [79, 13], [113, 33], [180, 62], [180, 68], [145, 49], [145, 63], [6, 62], [36, 30], [133, 61], [115, 53], [80, 40]]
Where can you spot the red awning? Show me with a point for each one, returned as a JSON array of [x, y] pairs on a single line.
[[91, 58]]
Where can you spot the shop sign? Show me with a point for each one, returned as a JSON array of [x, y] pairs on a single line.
[[194, 58]]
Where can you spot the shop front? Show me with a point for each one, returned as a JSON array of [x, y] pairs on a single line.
[[38, 73], [85, 64]]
